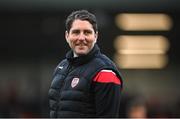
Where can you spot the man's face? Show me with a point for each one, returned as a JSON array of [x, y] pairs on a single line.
[[81, 37]]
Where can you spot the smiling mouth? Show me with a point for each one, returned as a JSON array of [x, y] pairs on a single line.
[[81, 44]]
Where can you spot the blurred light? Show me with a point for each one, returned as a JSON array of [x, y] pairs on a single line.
[[140, 61], [141, 52], [129, 44], [153, 21]]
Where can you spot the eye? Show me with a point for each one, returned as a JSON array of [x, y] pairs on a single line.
[[87, 32], [75, 32]]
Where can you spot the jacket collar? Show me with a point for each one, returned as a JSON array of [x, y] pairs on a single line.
[[84, 58]]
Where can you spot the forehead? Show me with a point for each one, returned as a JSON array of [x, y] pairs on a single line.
[[81, 24]]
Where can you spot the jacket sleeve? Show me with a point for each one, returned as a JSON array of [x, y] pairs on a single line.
[[107, 90]]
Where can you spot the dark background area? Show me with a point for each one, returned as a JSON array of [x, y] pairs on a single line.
[[32, 43]]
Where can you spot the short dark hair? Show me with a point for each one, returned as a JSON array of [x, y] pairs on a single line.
[[82, 15]]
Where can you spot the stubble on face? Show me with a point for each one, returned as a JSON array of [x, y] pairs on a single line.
[[81, 37]]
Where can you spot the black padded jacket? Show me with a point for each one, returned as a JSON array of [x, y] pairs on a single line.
[[74, 94]]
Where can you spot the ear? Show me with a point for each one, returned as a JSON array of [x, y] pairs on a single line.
[[66, 36], [96, 36]]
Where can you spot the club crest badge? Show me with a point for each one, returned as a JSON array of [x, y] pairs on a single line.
[[74, 82]]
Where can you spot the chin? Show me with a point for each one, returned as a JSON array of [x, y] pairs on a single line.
[[81, 52]]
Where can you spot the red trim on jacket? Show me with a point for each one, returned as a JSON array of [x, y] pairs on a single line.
[[107, 76]]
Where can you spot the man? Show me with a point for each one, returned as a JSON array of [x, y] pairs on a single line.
[[86, 83]]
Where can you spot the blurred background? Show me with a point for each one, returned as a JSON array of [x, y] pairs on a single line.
[[141, 37]]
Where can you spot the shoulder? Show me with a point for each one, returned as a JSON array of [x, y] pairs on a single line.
[[105, 61], [60, 66], [63, 62], [107, 68]]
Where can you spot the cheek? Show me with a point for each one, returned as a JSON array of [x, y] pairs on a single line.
[[71, 40], [92, 40]]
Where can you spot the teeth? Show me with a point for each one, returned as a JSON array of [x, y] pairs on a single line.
[[81, 44]]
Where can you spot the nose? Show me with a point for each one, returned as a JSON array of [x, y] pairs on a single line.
[[81, 36]]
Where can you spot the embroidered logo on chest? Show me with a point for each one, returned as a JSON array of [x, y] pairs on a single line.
[[74, 82]]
